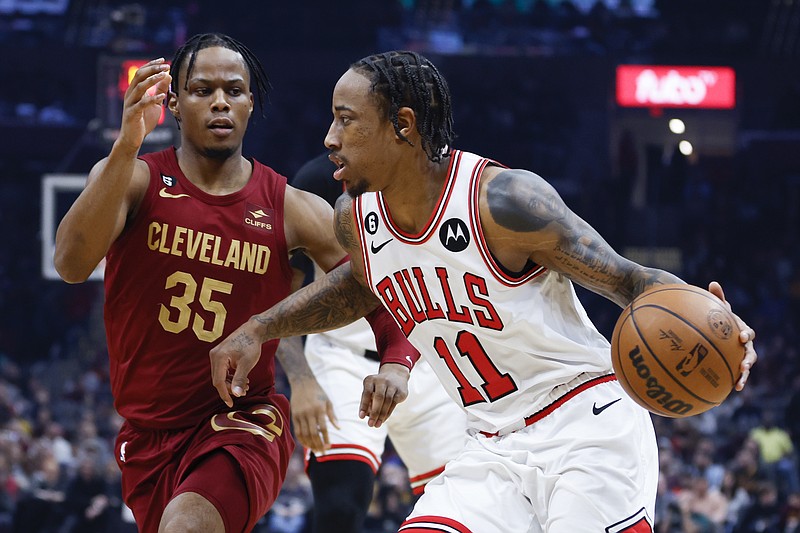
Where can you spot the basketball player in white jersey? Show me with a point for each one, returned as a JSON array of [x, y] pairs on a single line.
[[476, 262], [343, 453]]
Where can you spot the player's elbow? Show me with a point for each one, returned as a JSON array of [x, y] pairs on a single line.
[[69, 269], [72, 275]]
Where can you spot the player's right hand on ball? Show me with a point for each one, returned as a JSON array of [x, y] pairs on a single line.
[[232, 360], [746, 336], [142, 107], [382, 392]]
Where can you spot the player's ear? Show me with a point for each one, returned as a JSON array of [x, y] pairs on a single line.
[[407, 120], [172, 105]]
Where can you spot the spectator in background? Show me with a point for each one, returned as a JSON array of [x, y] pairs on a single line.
[[670, 467], [55, 439], [703, 463], [86, 504], [668, 518], [41, 506], [791, 414], [734, 488], [790, 515], [763, 513], [706, 506], [776, 452], [9, 493]]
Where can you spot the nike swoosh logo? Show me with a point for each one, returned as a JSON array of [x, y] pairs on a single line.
[[376, 249], [164, 194], [597, 410]]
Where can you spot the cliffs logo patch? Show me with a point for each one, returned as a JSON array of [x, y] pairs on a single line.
[[259, 218], [454, 235], [371, 222], [169, 181]]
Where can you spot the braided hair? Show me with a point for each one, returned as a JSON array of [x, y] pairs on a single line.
[[407, 79], [208, 40]]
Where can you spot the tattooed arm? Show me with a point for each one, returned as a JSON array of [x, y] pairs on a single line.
[[310, 406], [528, 220], [328, 303], [384, 390], [525, 219]]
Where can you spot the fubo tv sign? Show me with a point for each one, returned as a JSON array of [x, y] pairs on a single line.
[[666, 86]]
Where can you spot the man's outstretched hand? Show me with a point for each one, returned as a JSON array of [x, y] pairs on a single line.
[[382, 392], [233, 359]]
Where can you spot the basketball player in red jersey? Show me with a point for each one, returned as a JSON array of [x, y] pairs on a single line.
[[477, 262], [197, 239]]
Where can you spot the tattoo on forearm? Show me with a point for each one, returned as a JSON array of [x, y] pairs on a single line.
[[328, 303], [650, 277], [588, 256], [293, 360], [592, 264]]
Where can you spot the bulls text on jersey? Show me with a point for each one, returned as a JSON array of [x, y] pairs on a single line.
[[417, 305]]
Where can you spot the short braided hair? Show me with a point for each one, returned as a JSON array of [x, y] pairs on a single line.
[[407, 79], [258, 75]]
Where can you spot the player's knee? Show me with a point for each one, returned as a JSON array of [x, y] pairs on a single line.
[[187, 523], [191, 513]]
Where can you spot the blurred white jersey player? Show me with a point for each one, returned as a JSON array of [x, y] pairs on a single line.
[[426, 430], [518, 352]]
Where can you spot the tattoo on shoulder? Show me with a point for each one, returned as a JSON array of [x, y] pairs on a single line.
[[344, 224], [522, 201]]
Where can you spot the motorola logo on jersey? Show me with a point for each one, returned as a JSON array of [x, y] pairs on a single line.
[[371, 222], [258, 217], [454, 235]]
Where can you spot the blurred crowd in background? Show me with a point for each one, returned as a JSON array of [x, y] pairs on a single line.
[[732, 217]]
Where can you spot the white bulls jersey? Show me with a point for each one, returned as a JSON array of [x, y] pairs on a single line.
[[505, 346]]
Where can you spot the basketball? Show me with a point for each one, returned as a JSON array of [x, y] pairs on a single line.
[[676, 351]]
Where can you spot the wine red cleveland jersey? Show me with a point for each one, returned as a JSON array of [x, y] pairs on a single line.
[[188, 269]]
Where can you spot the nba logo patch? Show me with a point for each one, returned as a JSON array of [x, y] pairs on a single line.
[[259, 218]]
